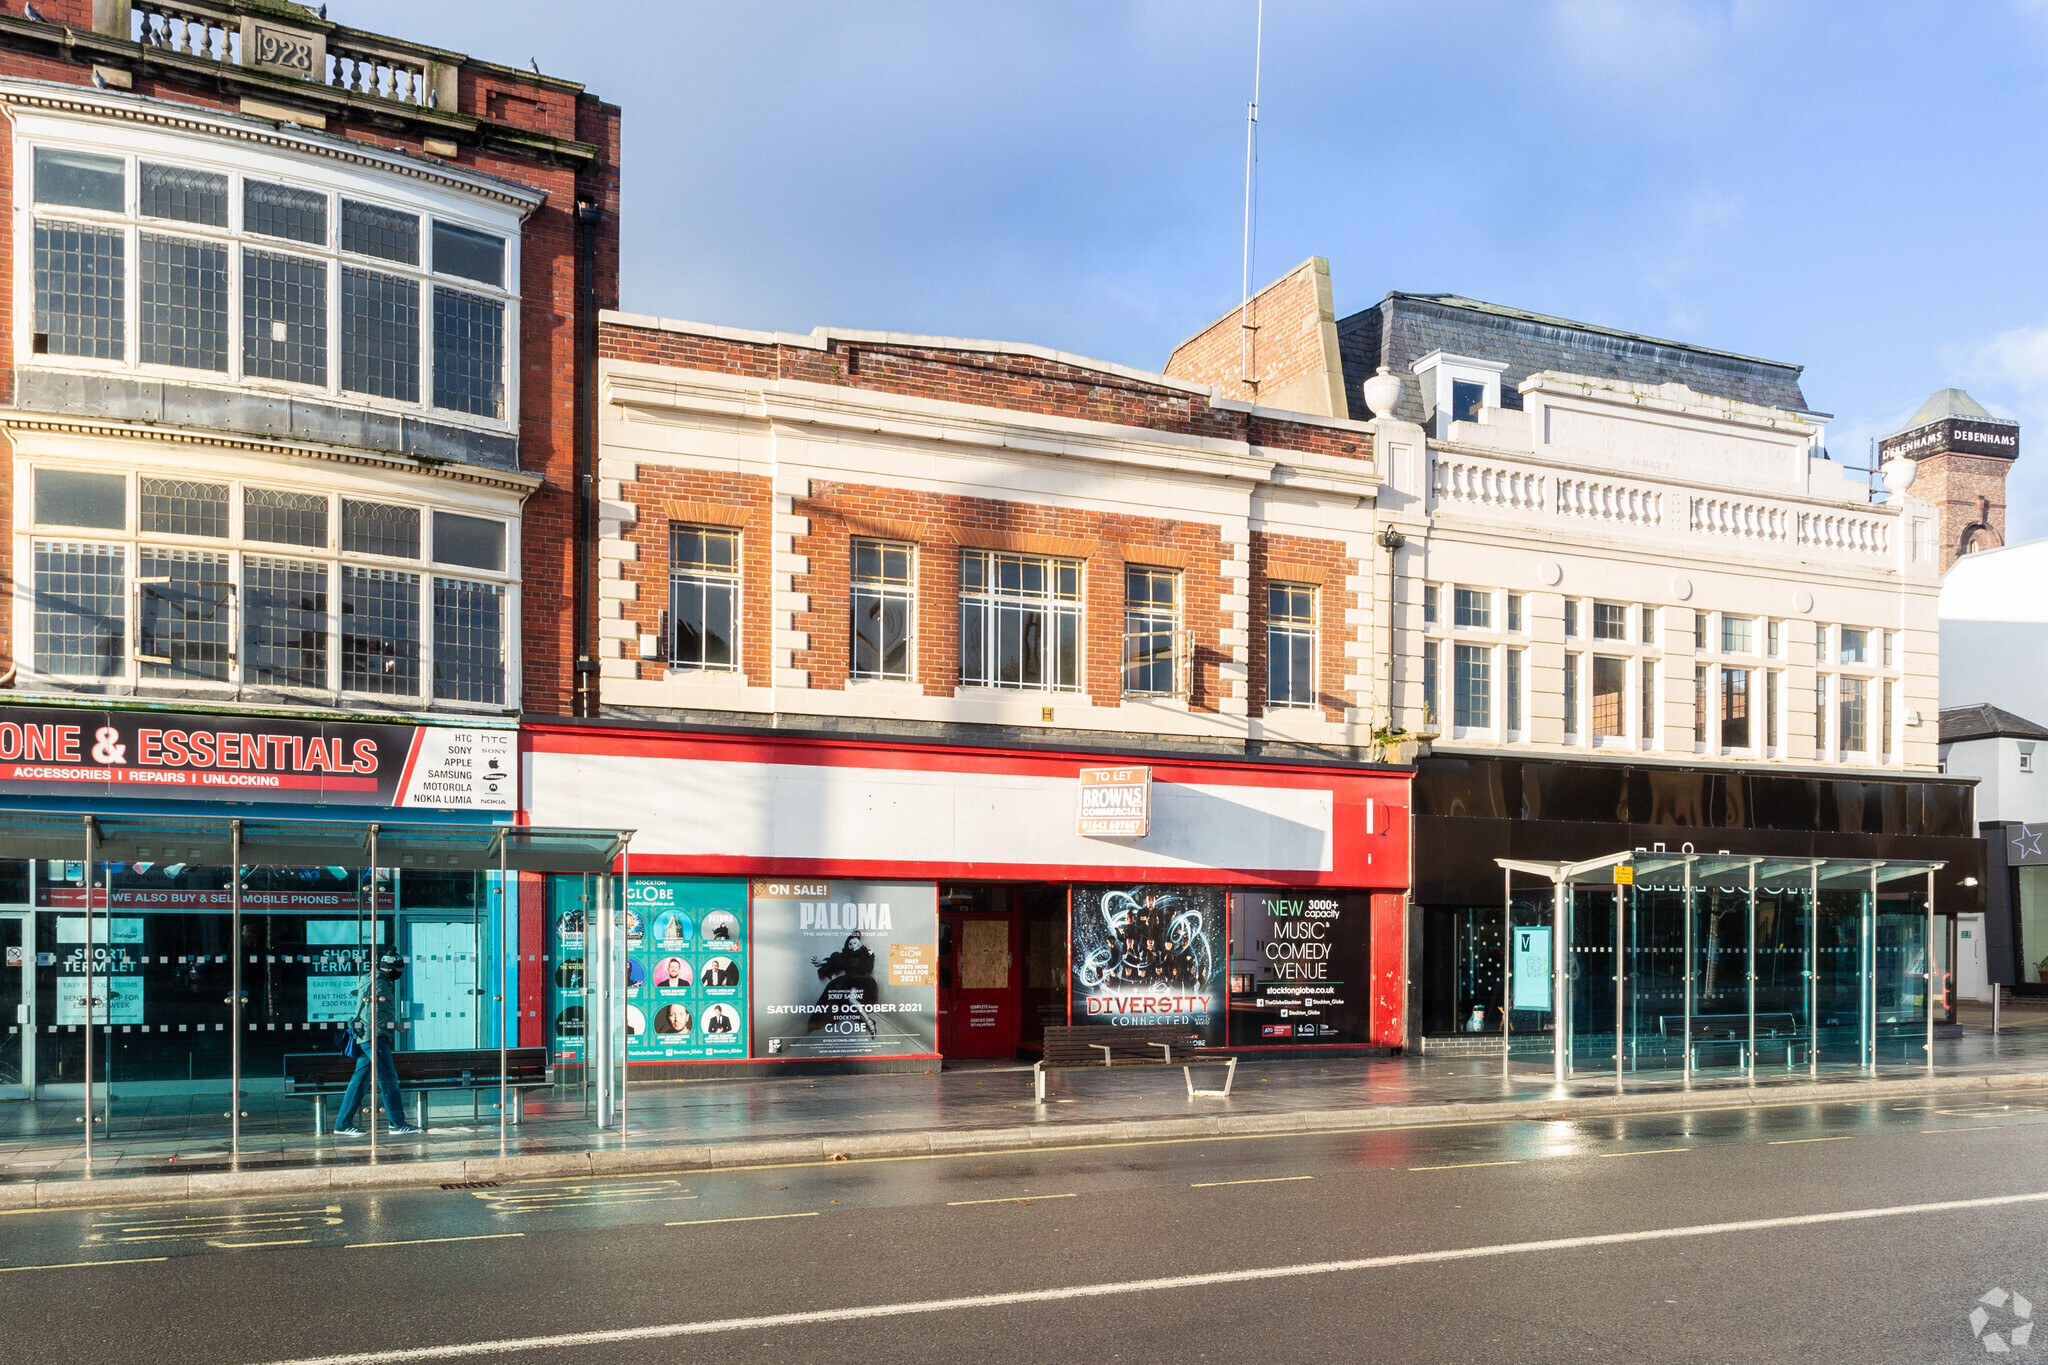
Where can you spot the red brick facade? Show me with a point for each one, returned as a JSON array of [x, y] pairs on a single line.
[[1968, 493], [1278, 350], [1321, 564]]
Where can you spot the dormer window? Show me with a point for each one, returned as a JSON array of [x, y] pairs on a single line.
[[1466, 400], [1457, 388]]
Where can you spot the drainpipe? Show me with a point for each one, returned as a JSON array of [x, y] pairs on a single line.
[[589, 217]]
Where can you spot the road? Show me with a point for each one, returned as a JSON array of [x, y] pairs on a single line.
[[1869, 1231]]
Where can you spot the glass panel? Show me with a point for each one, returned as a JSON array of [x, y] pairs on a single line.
[[1649, 686], [1610, 621], [1649, 625], [380, 335], [1513, 715], [186, 195], [1466, 400], [73, 497], [373, 230], [81, 616], [1855, 646], [81, 180], [181, 507], [1473, 607], [379, 528], [1841, 968], [13, 971], [473, 255], [80, 299], [469, 641], [473, 542], [1855, 710], [183, 630], [380, 631], [1735, 708], [1474, 684], [1514, 611], [1571, 617], [880, 605], [1571, 694], [1610, 685], [182, 303], [1429, 604], [1735, 634], [282, 211], [469, 353], [1655, 989], [284, 622], [284, 518], [284, 317]]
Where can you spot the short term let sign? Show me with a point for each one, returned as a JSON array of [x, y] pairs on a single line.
[[1116, 803]]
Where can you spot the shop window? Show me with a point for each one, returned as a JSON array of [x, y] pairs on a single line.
[[883, 605], [1473, 684], [80, 180], [183, 507], [183, 195], [1020, 621], [373, 230], [469, 353], [1853, 711], [284, 317], [1735, 634], [81, 616], [380, 528], [1290, 644], [183, 627], [74, 497], [284, 622], [380, 335], [469, 641], [1610, 621], [1735, 708], [282, 518], [1472, 608], [181, 314], [1151, 627], [282, 211], [1610, 687], [80, 285], [703, 597], [380, 631]]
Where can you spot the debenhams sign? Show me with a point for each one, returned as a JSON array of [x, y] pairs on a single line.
[[1958, 434]]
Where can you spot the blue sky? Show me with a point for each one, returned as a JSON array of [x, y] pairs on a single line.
[[1855, 187]]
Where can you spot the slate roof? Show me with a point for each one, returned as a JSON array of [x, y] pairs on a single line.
[[1402, 328], [1950, 403], [1985, 721]]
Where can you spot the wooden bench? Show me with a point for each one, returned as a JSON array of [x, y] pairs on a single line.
[[1734, 1029], [1107, 1046], [317, 1075]]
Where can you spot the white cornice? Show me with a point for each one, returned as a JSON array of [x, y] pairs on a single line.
[[138, 109], [1674, 398]]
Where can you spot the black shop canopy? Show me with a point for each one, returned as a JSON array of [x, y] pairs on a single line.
[[212, 840]]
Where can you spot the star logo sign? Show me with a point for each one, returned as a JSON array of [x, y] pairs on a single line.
[[2027, 844]]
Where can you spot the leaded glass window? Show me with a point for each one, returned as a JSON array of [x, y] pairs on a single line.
[[284, 518], [81, 610], [284, 211], [380, 334], [80, 291], [469, 353], [373, 230], [380, 631], [185, 195], [380, 528], [183, 628], [469, 641], [284, 622], [183, 507], [182, 303], [284, 317]]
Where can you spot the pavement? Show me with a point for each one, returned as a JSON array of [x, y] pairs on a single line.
[[174, 1148], [1895, 1228]]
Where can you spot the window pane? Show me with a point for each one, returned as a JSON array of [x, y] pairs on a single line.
[[475, 256], [79, 292], [1649, 631], [284, 622], [183, 628], [281, 211], [469, 641], [284, 317], [1511, 717], [476, 542], [284, 518], [1067, 676], [469, 353], [973, 644], [373, 230], [1610, 684], [182, 303], [81, 621], [1610, 621], [703, 595], [1571, 617], [186, 195], [180, 507], [1649, 717], [719, 651], [1474, 608], [380, 631], [1429, 604], [1473, 682], [1571, 692], [379, 528], [895, 637], [80, 179], [1735, 634], [1855, 646], [1735, 708], [1514, 611], [1855, 702], [1429, 709], [880, 605], [1466, 399], [380, 335], [72, 497]]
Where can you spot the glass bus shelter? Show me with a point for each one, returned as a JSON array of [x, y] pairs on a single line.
[[1726, 964], [185, 985]]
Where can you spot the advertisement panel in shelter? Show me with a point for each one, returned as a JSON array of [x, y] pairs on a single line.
[[845, 968], [1300, 968], [686, 991], [1145, 954]]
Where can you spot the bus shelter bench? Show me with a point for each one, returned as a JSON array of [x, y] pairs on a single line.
[[317, 1075], [1733, 1029], [1107, 1047]]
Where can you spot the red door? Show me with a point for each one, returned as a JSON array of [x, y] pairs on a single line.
[[979, 1000]]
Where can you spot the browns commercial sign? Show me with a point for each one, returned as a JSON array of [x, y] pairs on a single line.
[[67, 752]]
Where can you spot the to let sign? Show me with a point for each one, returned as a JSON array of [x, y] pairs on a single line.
[[1116, 803]]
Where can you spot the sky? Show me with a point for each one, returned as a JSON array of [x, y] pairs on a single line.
[[1855, 187]]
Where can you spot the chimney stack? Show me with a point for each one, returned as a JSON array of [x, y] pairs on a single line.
[[1963, 455]]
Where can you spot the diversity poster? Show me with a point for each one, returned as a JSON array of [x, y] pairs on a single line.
[[845, 969], [1300, 968], [1148, 954], [686, 992]]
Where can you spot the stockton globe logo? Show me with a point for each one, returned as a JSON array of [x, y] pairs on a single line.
[[2002, 1322]]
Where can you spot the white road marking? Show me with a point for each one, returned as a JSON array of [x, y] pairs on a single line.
[[750, 1218], [1794, 1142], [1089, 1291], [429, 1241], [1013, 1199], [1465, 1165], [1648, 1151], [1268, 1180], [80, 1265]]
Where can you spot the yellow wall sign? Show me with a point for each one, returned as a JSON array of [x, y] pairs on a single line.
[[1624, 875]]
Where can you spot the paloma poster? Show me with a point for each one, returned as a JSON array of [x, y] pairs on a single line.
[[845, 969]]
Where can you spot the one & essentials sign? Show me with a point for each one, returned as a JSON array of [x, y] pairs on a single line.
[[1116, 803]]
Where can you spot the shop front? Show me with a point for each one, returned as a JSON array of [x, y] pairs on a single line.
[[848, 905]]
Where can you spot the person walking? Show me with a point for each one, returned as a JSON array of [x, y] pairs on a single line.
[[356, 1043]]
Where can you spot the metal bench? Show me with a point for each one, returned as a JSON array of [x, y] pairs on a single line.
[[317, 1075], [1733, 1029], [1106, 1047]]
